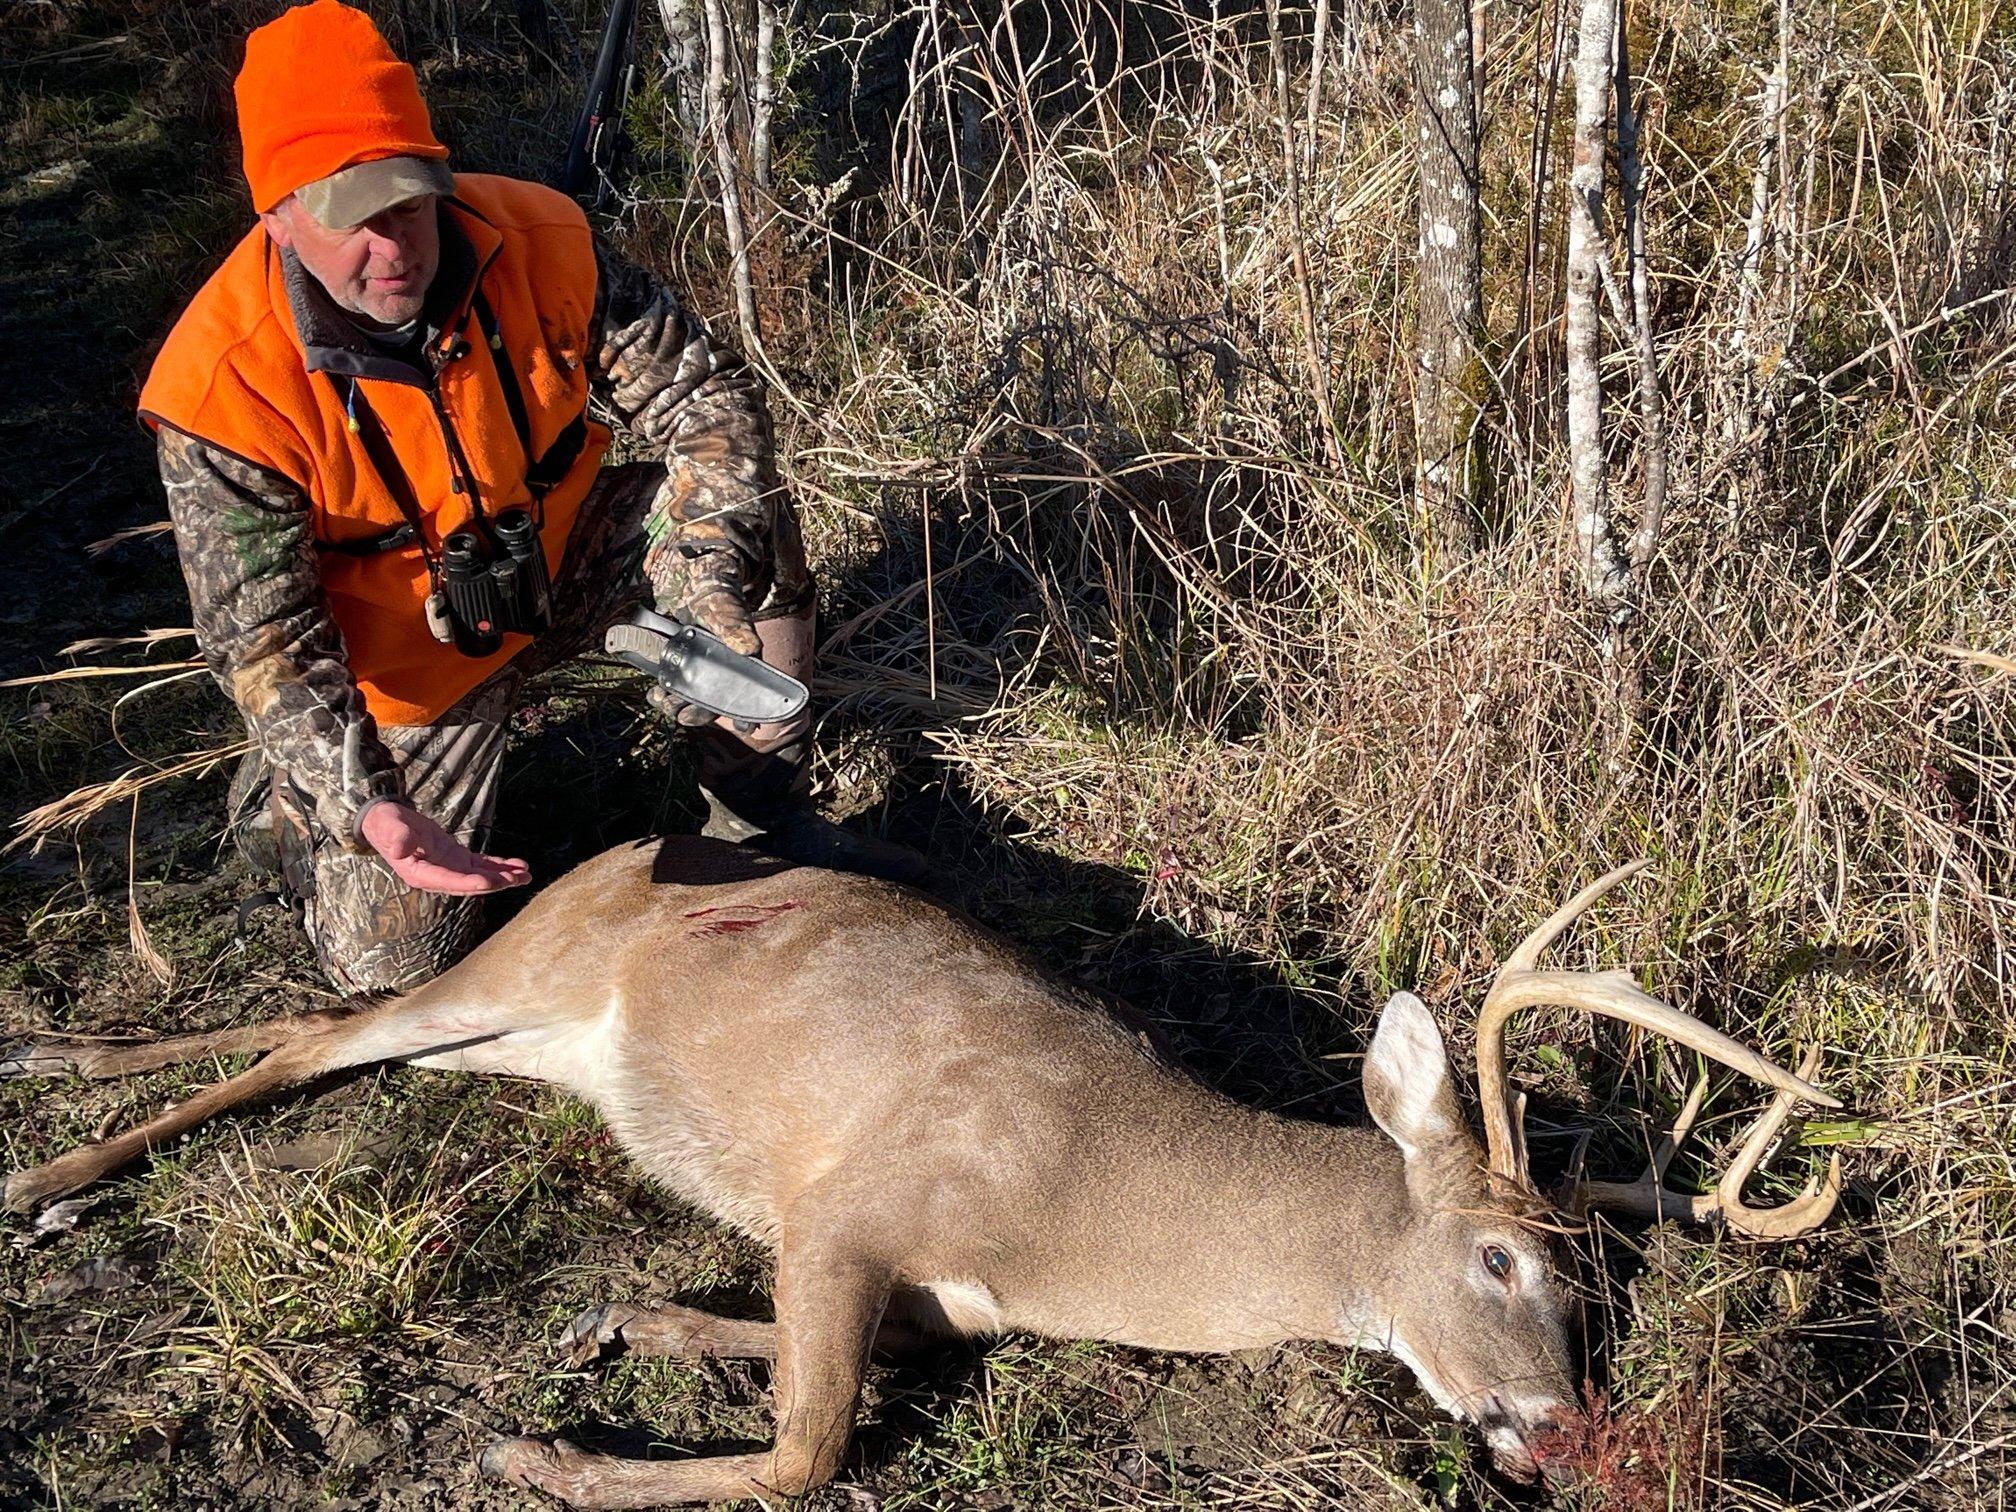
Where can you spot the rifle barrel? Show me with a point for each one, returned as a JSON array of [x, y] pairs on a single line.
[[596, 108]]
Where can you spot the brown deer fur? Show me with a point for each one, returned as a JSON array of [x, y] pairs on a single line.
[[931, 1133]]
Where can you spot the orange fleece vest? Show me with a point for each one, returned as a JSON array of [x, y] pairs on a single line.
[[235, 374]]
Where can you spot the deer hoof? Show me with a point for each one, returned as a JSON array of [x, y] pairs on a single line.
[[21, 1192], [526, 1462], [500, 1455], [31, 1059], [593, 1330]]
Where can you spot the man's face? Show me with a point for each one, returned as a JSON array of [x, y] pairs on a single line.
[[379, 270]]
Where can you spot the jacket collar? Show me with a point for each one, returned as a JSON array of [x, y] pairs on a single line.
[[331, 342]]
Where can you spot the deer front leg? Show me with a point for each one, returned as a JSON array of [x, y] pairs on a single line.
[[666, 1332], [828, 1306], [670, 1332]]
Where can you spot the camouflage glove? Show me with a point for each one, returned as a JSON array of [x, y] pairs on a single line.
[[701, 582], [689, 716], [710, 527], [714, 597]]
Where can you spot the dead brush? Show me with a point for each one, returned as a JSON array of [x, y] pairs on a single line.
[[1650, 1458]]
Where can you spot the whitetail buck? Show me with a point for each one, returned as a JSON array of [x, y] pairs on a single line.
[[935, 1136]]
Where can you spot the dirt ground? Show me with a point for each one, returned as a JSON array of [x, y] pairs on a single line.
[[337, 1301]]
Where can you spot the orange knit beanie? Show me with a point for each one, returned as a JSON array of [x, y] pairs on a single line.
[[322, 90]]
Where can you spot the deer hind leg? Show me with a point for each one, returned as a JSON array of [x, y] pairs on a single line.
[[431, 1026], [828, 1308], [288, 1065], [100, 1060]]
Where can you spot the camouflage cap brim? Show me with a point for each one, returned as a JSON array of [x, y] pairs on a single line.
[[351, 196]]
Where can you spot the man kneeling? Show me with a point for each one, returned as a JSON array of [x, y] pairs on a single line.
[[383, 392]]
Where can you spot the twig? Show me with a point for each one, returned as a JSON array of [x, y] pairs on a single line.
[[1749, 286], [1890, 340], [728, 172], [1319, 45], [1927, 1472], [1319, 372]]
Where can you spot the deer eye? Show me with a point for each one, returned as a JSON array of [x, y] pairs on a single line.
[[1497, 1260]]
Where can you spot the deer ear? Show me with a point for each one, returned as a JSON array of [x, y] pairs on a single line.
[[1407, 1084]]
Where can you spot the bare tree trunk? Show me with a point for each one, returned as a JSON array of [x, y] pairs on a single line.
[[1605, 573], [763, 116], [1547, 63], [1651, 398], [686, 63], [1450, 386], [728, 169]]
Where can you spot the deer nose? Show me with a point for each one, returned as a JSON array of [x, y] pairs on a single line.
[[1494, 1413], [1557, 1440], [1549, 1437]]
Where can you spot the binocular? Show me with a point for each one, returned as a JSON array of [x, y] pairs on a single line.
[[495, 590]]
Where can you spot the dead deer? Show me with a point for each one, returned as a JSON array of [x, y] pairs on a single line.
[[934, 1136]]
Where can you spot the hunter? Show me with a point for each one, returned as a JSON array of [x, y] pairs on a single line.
[[393, 360]]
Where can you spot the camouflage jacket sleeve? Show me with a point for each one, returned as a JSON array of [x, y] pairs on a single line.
[[266, 632], [671, 385]]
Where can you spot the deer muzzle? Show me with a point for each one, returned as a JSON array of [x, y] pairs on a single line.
[[1528, 1441]]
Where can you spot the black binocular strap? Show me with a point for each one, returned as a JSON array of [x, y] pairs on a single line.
[[385, 462], [543, 472]]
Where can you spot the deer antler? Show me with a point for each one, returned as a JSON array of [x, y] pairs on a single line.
[[1522, 984], [1648, 1197]]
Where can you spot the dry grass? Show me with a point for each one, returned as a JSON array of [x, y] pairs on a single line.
[[1131, 577]]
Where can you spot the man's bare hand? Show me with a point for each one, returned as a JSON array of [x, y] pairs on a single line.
[[427, 858]]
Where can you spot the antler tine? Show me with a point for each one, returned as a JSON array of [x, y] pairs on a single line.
[[1613, 994], [1648, 1197], [1803, 1213], [1528, 953], [1683, 1125], [1504, 1132]]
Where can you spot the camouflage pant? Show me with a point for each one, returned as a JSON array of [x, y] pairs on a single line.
[[371, 931]]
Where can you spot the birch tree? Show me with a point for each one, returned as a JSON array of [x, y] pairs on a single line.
[[721, 58], [1605, 574], [1611, 575], [686, 62], [1449, 381]]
